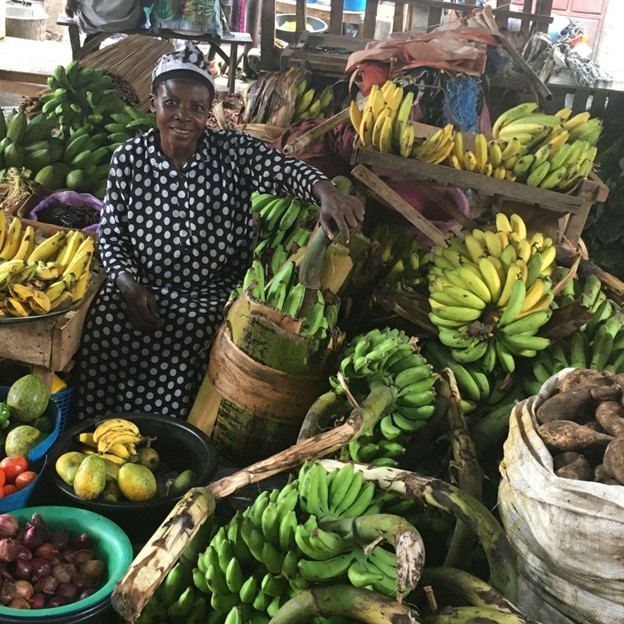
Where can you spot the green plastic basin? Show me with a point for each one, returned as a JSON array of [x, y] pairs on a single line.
[[110, 544]]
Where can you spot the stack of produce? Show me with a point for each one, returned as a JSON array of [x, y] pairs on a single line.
[[115, 462], [312, 103], [545, 151], [583, 427], [386, 358], [540, 150], [23, 423], [491, 292], [69, 144], [45, 568], [323, 534], [38, 278]]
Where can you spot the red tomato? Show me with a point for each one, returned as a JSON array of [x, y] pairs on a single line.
[[2, 478], [9, 489], [25, 478], [12, 466]]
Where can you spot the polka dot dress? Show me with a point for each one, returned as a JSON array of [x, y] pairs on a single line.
[[186, 236]]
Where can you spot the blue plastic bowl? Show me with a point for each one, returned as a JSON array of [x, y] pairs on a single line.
[[111, 545]]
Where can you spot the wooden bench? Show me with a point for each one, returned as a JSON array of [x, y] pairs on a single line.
[[93, 42]]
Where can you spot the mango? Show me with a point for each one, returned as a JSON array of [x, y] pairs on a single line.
[[149, 457], [136, 482], [90, 478], [67, 465]]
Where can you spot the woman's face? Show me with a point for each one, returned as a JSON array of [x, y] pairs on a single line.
[[181, 106]]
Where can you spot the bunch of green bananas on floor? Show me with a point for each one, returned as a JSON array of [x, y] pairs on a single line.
[[401, 255], [312, 103], [596, 345], [384, 122], [282, 221], [477, 389], [387, 357], [490, 294], [540, 150], [39, 277], [82, 96]]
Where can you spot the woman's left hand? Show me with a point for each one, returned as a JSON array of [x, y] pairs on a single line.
[[338, 212]]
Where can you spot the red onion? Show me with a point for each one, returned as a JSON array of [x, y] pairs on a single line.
[[21, 569], [45, 551], [80, 556], [94, 569], [59, 539], [9, 526], [10, 549], [19, 603], [7, 592], [82, 541], [33, 536], [4, 573], [38, 601], [55, 601], [67, 592], [40, 569], [23, 589], [64, 572], [83, 581], [46, 585]]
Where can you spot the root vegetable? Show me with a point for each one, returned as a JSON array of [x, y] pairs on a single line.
[[563, 459], [94, 569], [64, 572], [595, 425], [578, 469], [68, 592], [606, 393], [610, 415], [565, 435], [582, 377], [23, 589], [614, 459], [19, 603], [571, 405]]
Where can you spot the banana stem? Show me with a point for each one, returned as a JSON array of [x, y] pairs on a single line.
[[469, 473], [404, 537], [319, 415], [344, 601], [438, 493], [373, 406], [466, 615]]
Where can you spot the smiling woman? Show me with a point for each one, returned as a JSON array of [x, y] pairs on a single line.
[[175, 238]]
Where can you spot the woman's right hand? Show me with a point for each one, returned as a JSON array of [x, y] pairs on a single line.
[[142, 309]]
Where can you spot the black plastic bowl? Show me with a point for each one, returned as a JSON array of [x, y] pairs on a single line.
[[181, 446]]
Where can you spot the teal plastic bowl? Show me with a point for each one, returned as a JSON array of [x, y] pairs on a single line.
[[110, 543]]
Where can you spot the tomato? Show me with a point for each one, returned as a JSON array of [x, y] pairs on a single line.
[[12, 466], [9, 489], [2, 478], [25, 478]]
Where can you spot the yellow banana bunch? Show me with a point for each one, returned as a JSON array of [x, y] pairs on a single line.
[[490, 293], [117, 436]]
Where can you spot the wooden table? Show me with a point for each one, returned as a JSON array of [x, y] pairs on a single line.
[[233, 40], [48, 345]]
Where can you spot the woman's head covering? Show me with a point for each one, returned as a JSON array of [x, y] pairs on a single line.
[[189, 62]]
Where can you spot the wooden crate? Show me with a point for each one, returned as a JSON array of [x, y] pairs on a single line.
[[48, 344], [570, 209]]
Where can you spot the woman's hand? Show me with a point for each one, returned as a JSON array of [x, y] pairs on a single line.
[[338, 211], [141, 305], [71, 7]]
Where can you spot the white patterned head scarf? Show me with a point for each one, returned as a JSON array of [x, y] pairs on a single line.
[[188, 62]]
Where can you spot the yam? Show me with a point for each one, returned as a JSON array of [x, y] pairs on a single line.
[[614, 459], [606, 393], [575, 405], [579, 469], [566, 435], [564, 459], [610, 415], [583, 377], [600, 474], [595, 425]]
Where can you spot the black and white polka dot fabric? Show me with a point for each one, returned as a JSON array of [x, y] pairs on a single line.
[[186, 235]]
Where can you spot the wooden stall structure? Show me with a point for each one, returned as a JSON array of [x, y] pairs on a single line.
[[328, 52]]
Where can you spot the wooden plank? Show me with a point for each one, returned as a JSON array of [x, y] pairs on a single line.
[[335, 21], [370, 19], [300, 16], [268, 58], [527, 8], [21, 88], [545, 8], [393, 200], [398, 24], [20, 76], [447, 176]]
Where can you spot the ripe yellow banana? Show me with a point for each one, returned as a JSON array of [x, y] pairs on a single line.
[[115, 423], [82, 284], [355, 114], [470, 161], [407, 141], [12, 240], [379, 124], [3, 227], [366, 129], [495, 153], [518, 226], [403, 117], [376, 101], [27, 244], [47, 248], [481, 151]]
